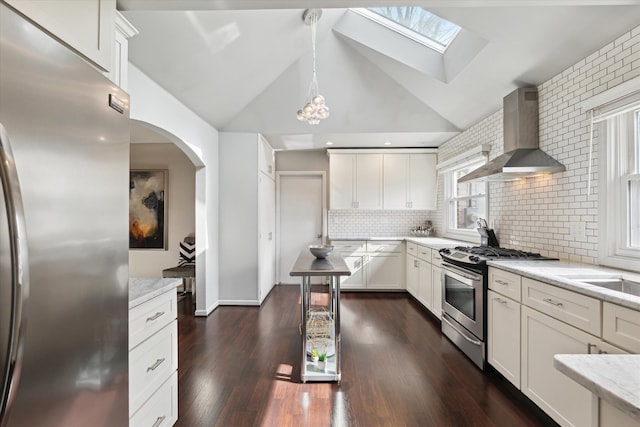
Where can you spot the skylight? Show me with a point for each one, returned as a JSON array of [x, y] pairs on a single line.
[[416, 23]]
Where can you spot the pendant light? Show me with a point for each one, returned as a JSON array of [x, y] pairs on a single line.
[[315, 108]]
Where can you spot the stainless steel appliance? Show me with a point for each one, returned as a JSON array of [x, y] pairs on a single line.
[[64, 161], [522, 156], [464, 282]]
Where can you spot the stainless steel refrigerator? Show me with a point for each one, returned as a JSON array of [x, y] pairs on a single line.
[[64, 140]]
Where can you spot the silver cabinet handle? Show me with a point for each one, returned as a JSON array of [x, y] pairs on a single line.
[[155, 316], [501, 301], [159, 421], [155, 365], [19, 272], [415, 263], [503, 283], [552, 302]]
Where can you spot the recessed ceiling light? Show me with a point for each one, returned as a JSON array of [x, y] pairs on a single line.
[[329, 143], [387, 143]]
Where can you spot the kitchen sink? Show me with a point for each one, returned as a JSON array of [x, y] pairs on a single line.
[[620, 285]]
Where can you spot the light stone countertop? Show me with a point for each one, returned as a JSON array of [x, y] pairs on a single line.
[[432, 242], [142, 290], [612, 377], [560, 273]]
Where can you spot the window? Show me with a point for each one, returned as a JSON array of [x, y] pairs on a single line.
[[415, 23], [464, 202], [619, 194]]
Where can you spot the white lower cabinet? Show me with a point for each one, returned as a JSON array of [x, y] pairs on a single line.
[[503, 336], [412, 275], [424, 277], [374, 265], [529, 322], [384, 271], [153, 362], [564, 400], [425, 284]]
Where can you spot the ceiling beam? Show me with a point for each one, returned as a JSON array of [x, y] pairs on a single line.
[[303, 4]]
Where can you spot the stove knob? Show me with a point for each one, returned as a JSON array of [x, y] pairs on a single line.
[[445, 251], [474, 258]]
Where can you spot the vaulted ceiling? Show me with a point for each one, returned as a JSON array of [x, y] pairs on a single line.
[[249, 69]]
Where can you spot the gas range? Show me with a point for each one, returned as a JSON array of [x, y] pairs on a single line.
[[477, 256]]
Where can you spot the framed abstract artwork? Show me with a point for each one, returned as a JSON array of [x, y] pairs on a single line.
[[148, 209]]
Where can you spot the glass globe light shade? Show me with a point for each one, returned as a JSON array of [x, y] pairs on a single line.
[[318, 100], [300, 115], [323, 112], [308, 108], [314, 121]]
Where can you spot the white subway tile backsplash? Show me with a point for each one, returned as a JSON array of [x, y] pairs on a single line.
[[535, 214], [349, 224]]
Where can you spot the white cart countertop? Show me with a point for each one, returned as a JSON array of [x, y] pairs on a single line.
[[612, 377], [142, 289]]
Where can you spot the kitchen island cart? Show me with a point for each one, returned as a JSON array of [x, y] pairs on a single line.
[[320, 324]]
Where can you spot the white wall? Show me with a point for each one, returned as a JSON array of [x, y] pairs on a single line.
[[155, 107], [180, 197], [537, 213]]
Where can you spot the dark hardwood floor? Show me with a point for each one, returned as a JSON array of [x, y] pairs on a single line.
[[241, 367]]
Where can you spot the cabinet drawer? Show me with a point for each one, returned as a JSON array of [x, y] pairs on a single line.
[[384, 246], [412, 249], [347, 248], [424, 253], [505, 283], [621, 326], [161, 410], [151, 363], [148, 318], [578, 310], [436, 259]]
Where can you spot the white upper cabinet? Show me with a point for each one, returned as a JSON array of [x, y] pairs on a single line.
[[118, 72], [383, 179], [87, 26], [410, 181], [356, 181]]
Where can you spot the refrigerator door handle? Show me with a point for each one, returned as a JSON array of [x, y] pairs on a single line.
[[19, 274]]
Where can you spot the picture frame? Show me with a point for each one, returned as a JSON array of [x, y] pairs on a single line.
[[148, 209]]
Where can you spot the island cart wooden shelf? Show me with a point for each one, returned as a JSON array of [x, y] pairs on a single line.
[[320, 324]]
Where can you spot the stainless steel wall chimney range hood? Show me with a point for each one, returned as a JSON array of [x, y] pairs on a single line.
[[522, 157]]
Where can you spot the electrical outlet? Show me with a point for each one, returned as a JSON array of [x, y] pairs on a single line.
[[578, 230]]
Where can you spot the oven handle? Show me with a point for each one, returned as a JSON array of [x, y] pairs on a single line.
[[461, 272], [464, 335]]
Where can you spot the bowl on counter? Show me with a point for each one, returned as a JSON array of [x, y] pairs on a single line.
[[321, 251]]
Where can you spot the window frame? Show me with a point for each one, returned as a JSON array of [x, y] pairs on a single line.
[[613, 197], [408, 32], [448, 175]]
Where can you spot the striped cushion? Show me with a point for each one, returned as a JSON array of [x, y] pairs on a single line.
[[187, 254]]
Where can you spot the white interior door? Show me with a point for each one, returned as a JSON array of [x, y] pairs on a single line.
[[300, 219]]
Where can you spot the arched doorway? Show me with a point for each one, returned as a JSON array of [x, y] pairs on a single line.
[[156, 148]]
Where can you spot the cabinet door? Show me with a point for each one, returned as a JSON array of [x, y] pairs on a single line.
[[384, 271], [395, 181], [422, 181], [87, 26], [267, 209], [368, 181], [342, 181], [563, 399], [436, 287], [412, 275], [425, 284], [357, 278], [503, 336]]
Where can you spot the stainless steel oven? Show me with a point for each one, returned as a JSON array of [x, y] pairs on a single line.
[[463, 294]]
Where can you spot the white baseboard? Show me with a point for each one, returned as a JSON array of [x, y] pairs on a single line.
[[208, 311]]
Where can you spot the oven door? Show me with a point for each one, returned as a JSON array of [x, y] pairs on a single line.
[[462, 294]]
